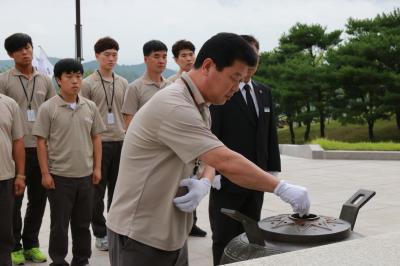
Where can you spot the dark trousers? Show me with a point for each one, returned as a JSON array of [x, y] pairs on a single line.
[[70, 202], [109, 172], [194, 217], [6, 221], [224, 228], [35, 208], [124, 251]]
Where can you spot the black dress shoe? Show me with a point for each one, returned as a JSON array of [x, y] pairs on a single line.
[[196, 231]]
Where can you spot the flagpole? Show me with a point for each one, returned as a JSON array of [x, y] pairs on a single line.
[[78, 32]]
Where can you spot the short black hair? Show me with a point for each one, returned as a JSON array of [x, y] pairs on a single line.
[[67, 65], [17, 41], [153, 46], [182, 45], [224, 49], [105, 44], [251, 40]]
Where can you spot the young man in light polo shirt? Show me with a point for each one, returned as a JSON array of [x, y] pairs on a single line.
[[30, 90], [148, 224], [184, 56], [107, 90], [12, 169], [143, 88], [68, 131]]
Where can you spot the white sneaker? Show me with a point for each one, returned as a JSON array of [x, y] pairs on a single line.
[[102, 243]]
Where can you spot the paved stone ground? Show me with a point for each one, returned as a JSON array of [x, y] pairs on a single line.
[[330, 184]]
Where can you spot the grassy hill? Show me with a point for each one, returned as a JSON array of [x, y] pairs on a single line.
[[384, 130]]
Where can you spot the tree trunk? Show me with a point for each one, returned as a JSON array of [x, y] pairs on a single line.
[[307, 131], [321, 115], [292, 135], [307, 123], [322, 124], [371, 130], [398, 118]]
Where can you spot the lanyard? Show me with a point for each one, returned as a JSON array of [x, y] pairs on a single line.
[[191, 94], [109, 106], [29, 102], [197, 162]]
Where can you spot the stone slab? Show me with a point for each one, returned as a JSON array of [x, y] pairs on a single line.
[[315, 151], [375, 250]]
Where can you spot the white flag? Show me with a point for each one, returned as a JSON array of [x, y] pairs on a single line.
[[43, 65]]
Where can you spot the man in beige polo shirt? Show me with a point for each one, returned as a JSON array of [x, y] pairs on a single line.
[[12, 169], [30, 90], [143, 88], [148, 224], [68, 131], [107, 90]]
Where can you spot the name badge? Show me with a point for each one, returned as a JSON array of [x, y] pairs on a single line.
[[266, 110], [31, 115], [110, 118]]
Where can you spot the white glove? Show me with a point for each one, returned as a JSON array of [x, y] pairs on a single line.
[[197, 190], [216, 183], [296, 196]]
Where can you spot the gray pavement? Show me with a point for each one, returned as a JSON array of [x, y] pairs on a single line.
[[330, 184]]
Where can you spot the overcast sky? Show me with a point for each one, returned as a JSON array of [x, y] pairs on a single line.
[[132, 22]]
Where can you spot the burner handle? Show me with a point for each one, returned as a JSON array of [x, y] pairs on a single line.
[[351, 207], [253, 232]]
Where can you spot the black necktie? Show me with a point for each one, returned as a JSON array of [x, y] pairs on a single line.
[[250, 102]]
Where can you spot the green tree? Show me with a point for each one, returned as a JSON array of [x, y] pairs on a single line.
[[313, 40], [386, 30], [367, 70], [298, 72], [288, 78]]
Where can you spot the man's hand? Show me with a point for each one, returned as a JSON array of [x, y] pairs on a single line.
[[48, 181], [19, 186], [296, 196], [197, 190], [96, 176]]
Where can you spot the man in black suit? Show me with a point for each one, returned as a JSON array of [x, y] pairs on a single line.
[[246, 125]]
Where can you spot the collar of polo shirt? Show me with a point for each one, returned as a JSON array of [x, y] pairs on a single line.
[[16, 72], [97, 77], [148, 81], [201, 102], [63, 103]]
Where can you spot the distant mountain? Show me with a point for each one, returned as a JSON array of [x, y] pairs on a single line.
[[130, 72]]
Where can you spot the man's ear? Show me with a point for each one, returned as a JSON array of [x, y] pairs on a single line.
[[208, 63], [57, 81], [97, 56]]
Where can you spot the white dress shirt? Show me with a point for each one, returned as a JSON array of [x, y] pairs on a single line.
[[252, 93]]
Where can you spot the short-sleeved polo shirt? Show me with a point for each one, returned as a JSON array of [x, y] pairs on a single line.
[[92, 89], [11, 128], [68, 133], [10, 85], [174, 77], [160, 150], [139, 92]]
